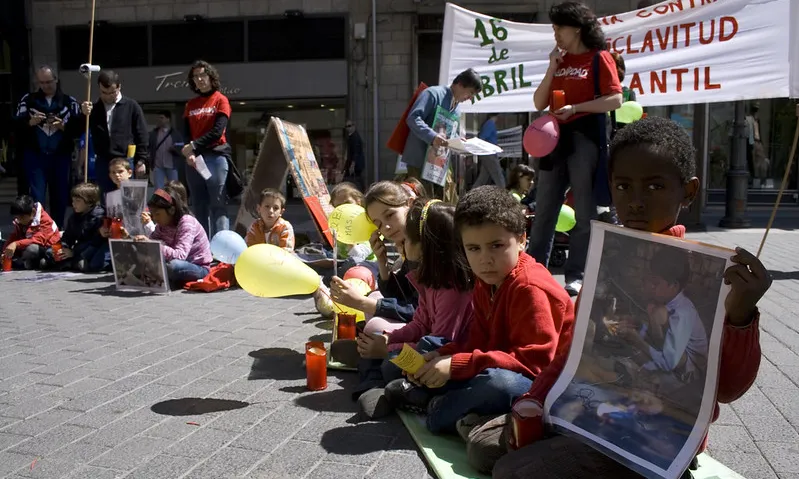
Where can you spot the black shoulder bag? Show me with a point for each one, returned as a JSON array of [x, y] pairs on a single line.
[[601, 178]]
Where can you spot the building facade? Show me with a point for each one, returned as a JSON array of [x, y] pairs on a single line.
[[311, 62]]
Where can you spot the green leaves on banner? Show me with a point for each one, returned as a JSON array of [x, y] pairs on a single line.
[[504, 80]]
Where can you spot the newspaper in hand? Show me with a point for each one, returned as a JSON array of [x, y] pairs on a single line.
[[474, 146], [201, 167]]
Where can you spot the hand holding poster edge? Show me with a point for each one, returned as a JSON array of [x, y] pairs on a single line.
[[569, 374]]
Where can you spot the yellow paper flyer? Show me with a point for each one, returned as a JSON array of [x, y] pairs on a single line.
[[409, 360]]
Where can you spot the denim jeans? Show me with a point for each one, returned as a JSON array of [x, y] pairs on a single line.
[[491, 392], [49, 171], [162, 175], [490, 172], [180, 271], [376, 373], [94, 258], [577, 170], [209, 197]]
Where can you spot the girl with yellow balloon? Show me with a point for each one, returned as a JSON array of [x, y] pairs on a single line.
[[392, 306]]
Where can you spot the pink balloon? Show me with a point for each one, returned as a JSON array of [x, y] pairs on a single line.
[[363, 273], [541, 136]]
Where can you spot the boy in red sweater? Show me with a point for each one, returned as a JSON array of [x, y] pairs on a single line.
[[520, 312], [34, 232], [652, 174]]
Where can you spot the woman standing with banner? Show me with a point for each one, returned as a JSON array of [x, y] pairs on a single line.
[[585, 73], [208, 153]]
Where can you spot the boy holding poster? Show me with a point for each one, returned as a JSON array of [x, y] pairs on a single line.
[[652, 172]]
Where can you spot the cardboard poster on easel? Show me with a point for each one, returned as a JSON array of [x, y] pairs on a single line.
[[287, 149]]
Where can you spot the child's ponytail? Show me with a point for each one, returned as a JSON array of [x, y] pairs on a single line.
[[443, 264]]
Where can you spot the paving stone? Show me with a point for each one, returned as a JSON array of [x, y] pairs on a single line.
[[164, 466], [228, 462], [397, 466], [132, 453], [783, 457], [42, 422], [332, 469], [202, 443], [52, 440], [291, 460]]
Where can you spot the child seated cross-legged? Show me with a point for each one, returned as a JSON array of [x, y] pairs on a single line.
[[392, 306], [82, 246], [520, 312], [271, 227], [653, 176], [184, 243], [445, 310], [34, 232]]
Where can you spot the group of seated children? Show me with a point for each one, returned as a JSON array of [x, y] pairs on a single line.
[[495, 328], [37, 243]]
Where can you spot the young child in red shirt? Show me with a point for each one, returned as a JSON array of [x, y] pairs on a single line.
[[519, 314], [34, 232], [653, 176]]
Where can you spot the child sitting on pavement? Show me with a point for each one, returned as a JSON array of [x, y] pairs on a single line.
[[443, 281], [271, 227], [520, 312], [652, 170], [175, 188], [82, 247], [184, 242], [34, 232]]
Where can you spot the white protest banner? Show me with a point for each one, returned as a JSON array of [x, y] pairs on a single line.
[[677, 52]]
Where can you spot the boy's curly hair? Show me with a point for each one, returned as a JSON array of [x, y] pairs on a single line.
[[659, 136], [490, 204]]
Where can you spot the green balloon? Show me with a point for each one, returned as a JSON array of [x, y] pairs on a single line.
[[629, 112], [566, 219]]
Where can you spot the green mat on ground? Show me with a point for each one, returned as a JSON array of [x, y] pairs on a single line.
[[446, 455]]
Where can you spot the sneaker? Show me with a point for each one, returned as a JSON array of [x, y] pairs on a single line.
[[402, 394], [322, 301], [374, 404], [345, 351], [466, 424], [574, 287]]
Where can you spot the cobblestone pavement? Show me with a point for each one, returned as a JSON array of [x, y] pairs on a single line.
[[82, 369]]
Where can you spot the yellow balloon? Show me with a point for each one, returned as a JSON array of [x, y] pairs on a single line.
[[362, 288], [267, 271], [351, 224]]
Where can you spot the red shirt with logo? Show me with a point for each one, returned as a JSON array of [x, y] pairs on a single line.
[[575, 76], [201, 113]]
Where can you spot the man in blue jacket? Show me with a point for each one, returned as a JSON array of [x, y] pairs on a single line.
[[422, 115], [47, 120]]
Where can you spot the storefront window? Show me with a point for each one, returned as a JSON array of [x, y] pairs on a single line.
[[769, 129], [324, 122]]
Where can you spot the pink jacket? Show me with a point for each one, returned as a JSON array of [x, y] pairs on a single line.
[[444, 313]]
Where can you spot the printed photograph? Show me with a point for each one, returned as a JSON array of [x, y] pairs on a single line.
[[139, 266], [134, 200], [643, 386]]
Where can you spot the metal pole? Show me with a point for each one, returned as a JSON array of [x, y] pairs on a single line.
[[375, 104], [737, 175]]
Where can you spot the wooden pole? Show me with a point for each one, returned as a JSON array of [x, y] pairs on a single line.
[[88, 98], [783, 185]]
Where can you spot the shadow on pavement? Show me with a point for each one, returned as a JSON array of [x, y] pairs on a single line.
[[196, 406], [277, 363], [783, 275], [104, 278], [111, 290], [323, 337]]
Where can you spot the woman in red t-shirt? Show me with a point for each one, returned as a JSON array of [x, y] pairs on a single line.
[[578, 56], [206, 117]]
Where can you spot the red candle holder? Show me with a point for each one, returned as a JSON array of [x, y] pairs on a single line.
[[558, 100], [57, 249], [7, 263], [116, 228], [107, 222], [315, 365], [345, 326]]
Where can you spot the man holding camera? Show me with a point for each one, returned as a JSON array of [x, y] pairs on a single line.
[[46, 142]]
